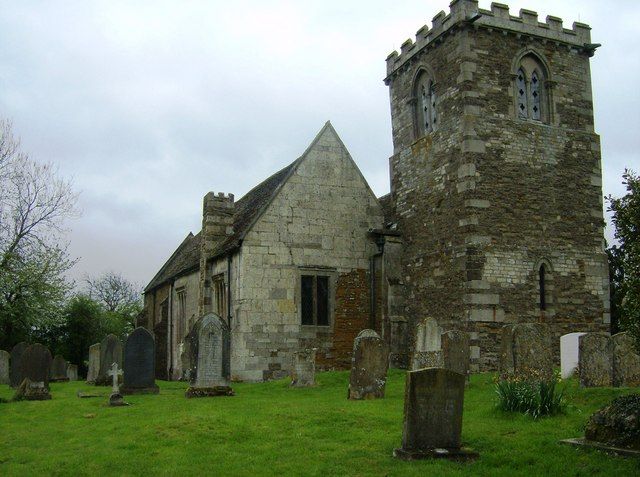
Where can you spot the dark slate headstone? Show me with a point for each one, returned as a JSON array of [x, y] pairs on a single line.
[[4, 367], [94, 363], [15, 365], [210, 346], [455, 351], [433, 405], [35, 370], [110, 352], [595, 360], [369, 364], [59, 369], [139, 363]]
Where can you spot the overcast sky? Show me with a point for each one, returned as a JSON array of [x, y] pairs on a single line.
[[149, 105]]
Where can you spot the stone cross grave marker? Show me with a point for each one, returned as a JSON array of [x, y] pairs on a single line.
[[94, 363], [369, 364], [303, 372], [433, 404], [59, 369], [110, 352], [115, 399], [4, 367], [139, 363], [569, 354], [595, 356], [210, 345], [428, 345], [15, 364]]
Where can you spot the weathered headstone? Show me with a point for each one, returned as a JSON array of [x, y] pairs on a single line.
[[58, 369], [4, 367], [110, 352], [188, 356], [626, 361], [303, 371], [526, 351], [595, 356], [15, 364], [139, 363], [210, 345], [455, 351], [35, 370], [94, 363], [428, 345], [72, 372], [569, 354], [115, 398], [369, 365], [433, 404]]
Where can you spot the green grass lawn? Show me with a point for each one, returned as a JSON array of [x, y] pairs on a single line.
[[270, 429]]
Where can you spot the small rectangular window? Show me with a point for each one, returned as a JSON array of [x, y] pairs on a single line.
[[314, 300]]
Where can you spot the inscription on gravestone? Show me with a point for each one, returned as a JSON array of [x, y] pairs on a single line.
[[369, 365], [15, 364], [139, 363]]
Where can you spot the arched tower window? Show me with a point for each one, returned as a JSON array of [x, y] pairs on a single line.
[[425, 95], [541, 278], [531, 96]]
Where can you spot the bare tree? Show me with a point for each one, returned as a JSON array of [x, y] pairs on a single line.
[[114, 292], [34, 204]]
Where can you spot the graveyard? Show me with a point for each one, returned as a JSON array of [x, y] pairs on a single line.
[[273, 429]]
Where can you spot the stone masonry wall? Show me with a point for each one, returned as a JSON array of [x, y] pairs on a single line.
[[317, 224]]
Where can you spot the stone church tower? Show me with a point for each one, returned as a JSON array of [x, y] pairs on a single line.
[[496, 175]]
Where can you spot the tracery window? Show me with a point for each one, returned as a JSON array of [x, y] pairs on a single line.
[[426, 114], [531, 101]]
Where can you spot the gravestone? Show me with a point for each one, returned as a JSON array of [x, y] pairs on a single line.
[[428, 347], [210, 347], [569, 354], [369, 365], [455, 351], [110, 352], [15, 364], [72, 372], [595, 356], [58, 370], [433, 404], [139, 363], [626, 361], [526, 351], [115, 398], [303, 371], [188, 357], [4, 367], [35, 370], [94, 363]]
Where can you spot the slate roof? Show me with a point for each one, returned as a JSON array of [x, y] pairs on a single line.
[[185, 258]]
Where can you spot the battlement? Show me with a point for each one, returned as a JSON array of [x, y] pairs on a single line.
[[466, 12], [219, 200]]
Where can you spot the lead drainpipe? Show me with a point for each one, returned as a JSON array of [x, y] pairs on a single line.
[[170, 319], [229, 291], [379, 240]]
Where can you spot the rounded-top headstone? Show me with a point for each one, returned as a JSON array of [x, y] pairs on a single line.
[[15, 365], [59, 369], [139, 363], [110, 352], [369, 364], [526, 351], [569, 354], [210, 346], [36, 364]]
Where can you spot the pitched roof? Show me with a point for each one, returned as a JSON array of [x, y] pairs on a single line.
[[185, 258]]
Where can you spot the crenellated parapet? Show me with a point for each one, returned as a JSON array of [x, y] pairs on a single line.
[[466, 13], [217, 217]]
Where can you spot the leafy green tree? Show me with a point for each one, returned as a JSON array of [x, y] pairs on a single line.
[[626, 256]]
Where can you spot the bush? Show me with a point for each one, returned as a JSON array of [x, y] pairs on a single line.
[[536, 398]]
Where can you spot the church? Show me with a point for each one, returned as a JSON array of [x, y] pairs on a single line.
[[494, 215]]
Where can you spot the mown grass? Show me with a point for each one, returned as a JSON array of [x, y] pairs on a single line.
[[270, 429]]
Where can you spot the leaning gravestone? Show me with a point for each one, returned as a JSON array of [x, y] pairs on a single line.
[[595, 353], [433, 403], [94, 363], [58, 370], [15, 365], [455, 351], [4, 367], [35, 370], [626, 361], [303, 372], [139, 363], [526, 351], [428, 347], [72, 372], [369, 365], [110, 352], [569, 354], [210, 344]]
